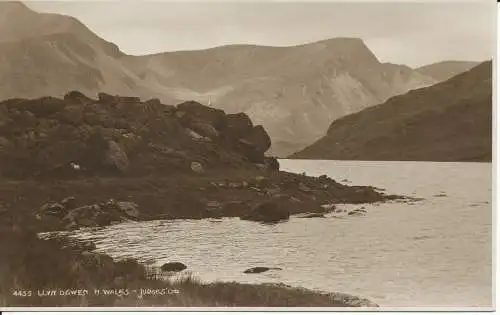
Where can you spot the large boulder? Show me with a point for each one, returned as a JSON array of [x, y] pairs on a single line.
[[269, 211], [238, 125], [117, 157], [254, 144], [194, 111], [258, 138]]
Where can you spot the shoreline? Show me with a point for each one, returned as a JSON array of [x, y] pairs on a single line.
[[21, 225]]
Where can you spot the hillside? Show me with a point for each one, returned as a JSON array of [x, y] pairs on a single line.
[[442, 71], [450, 121], [294, 92]]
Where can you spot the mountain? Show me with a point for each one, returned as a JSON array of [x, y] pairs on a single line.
[[449, 121], [444, 70], [294, 92]]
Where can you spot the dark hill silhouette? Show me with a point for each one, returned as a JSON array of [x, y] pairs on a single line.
[[450, 121]]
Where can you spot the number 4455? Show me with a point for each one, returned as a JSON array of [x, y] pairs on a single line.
[[21, 293]]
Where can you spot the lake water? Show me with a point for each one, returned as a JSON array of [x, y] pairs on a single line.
[[432, 253]]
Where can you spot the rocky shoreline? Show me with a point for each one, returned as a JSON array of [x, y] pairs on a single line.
[[79, 162]]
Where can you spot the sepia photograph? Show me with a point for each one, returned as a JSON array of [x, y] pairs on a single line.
[[234, 155]]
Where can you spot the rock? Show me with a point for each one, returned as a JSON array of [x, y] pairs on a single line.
[[80, 246], [197, 167], [262, 182], [83, 216], [357, 212], [173, 266], [260, 269], [271, 164], [440, 195], [204, 129], [238, 125], [196, 136], [131, 209], [42, 107], [53, 208], [328, 207], [313, 215], [153, 102], [216, 205], [127, 99], [4, 143], [269, 211], [117, 157], [236, 208], [258, 138], [25, 119], [197, 112], [69, 203], [77, 97], [72, 115], [105, 98], [304, 188], [129, 141]]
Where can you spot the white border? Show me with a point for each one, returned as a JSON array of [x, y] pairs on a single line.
[[306, 310]]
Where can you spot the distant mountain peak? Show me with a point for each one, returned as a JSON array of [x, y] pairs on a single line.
[[8, 8]]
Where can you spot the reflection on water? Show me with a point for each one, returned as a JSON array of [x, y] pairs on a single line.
[[435, 252]]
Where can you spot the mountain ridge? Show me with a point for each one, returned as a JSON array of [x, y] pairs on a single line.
[[294, 92]]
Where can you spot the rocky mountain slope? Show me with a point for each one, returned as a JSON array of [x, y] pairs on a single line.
[[294, 92], [450, 121], [442, 71]]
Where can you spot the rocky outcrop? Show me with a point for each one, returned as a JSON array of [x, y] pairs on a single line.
[[115, 135], [72, 216]]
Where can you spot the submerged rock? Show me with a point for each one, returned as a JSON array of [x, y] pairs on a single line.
[[269, 211], [260, 269], [173, 266], [313, 215]]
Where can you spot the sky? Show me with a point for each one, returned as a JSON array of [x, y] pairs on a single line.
[[402, 32]]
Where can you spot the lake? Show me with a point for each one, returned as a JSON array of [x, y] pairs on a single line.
[[431, 253]]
